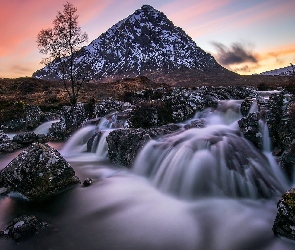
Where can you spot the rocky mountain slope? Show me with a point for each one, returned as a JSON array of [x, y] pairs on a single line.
[[286, 71], [145, 43]]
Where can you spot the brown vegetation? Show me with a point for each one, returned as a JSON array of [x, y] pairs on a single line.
[[50, 95]]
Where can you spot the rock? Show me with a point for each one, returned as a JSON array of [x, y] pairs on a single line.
[[284, 224], [249, 126], [87, 182], [274, 118], [37, 172], [25, 138], [124, 144], [246, 106], [6, 145], [93, 142], [58, 130], [195, 124], [23, 226], [74, 116], [14, 125], [33, 116], [108, 106]]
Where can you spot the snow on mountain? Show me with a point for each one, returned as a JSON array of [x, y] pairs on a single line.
[[286, 71], [144, 42]]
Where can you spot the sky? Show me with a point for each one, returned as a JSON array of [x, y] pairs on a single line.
[[247, 37]]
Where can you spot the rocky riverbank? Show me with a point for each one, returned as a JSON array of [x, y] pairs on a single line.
[[143, 115]]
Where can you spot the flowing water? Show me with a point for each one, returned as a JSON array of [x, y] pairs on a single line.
[[203, 188]]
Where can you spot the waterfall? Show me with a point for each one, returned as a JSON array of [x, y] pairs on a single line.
[[254, 107], [78, 141], [212, 161], [44, 127], [75, 149], [89, 142]]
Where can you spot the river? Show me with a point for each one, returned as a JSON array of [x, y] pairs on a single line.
[[191, 190]]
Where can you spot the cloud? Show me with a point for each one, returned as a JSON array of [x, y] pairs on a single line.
[[235, 54]]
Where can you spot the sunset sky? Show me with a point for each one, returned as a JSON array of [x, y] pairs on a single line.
[[244, 36]]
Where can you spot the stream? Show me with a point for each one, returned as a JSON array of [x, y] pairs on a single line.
[[203, 188]]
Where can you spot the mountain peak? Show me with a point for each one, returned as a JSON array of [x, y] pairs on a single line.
[[143, 43], [147, 7]]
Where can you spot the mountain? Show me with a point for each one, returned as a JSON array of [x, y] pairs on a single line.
[[145, 43], [286, 71]]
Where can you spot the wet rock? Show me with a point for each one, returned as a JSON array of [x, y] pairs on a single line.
[[195, 124], [58, 130], [7, 145], [249, 126], [33, 116], [74, 116], [14, 125], [37, 172], [92, 143], [87, 182], [108, 106], [284, 224], [246, 106], [23, 226], [25, 138], [124, 144]]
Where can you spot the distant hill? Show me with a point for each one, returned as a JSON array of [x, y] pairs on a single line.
[[286, 71], [146, 43]]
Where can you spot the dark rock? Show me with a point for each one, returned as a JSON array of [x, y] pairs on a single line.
[[87, 182], [14, 125], [37, 172], [124, 144], [108, 106], [195, 124], [246, 106], [74, 115], [274, 118], [23, 226], [25, 138], [58, 130], [33, 116], [7, 145], [249, 126], [92, 143], [284, 224]]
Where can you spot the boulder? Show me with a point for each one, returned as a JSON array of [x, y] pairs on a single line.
[[124, 144], [25, 138], [23, 226], [58, 130], [284, 224], [87, 182], [7, 145], [33, 116], [37, 172], [249, 126]]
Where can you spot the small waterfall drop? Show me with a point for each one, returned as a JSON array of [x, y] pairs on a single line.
[[44, 127], [89, 142]]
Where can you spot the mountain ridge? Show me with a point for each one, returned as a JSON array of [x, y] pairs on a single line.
[[285, 71], [143, 43]]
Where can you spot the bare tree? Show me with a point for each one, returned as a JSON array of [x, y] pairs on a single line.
[[61, 43]]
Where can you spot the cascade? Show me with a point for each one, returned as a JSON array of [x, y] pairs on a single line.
[[89, 142], [212, 161], [44, 127]]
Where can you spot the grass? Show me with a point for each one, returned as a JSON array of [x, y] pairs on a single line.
[[51, 95]]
